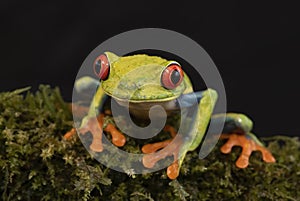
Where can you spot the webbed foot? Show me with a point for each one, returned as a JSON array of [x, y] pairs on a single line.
[[95, 127], [168, 148], [248, 146]]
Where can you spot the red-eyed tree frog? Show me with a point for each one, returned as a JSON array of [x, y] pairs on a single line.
[[159, 81]]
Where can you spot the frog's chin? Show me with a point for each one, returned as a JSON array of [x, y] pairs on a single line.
[[140, 108], [171, 103]]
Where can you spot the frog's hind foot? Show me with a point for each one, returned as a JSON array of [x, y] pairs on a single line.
[[78, 111], [248, 145], [160, 150]]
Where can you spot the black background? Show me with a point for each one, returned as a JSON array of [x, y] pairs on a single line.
[[254, 45]]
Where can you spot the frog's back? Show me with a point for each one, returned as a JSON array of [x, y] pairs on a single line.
[[132, 62]]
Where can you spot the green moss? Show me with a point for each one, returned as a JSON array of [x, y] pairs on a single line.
[[38, 164]]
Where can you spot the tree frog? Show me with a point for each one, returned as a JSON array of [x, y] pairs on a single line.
[[160, 81]]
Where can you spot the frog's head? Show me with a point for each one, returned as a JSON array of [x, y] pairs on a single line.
[[140, 78]]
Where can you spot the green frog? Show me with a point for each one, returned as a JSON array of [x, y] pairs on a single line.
[[140, 82]]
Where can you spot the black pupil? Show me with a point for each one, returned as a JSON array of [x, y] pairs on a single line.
[[175, 77], [98, 66]]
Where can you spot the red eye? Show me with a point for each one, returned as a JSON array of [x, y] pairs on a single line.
[[101, 67], [172, 76]]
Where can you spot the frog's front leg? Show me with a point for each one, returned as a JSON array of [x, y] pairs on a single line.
[[185, 141], [237, 130], [93, 123]]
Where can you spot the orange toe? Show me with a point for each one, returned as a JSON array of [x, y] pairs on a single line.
[[242, 161], [118, 138], [151, 148], [70, 134], [226, 148], [173, 170], [96, 145], [150, 160], [266, 155]]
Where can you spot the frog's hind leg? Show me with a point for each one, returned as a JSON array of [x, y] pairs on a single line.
[[237, 130], [78, 111], [169, 148]]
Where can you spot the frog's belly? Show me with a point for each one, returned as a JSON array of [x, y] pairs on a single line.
[[141, 109]]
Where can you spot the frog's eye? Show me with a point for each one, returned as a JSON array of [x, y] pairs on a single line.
[[101, 67], [172, 76]]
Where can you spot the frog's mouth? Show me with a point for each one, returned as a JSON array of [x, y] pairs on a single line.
[[143, 100], [171, 103], [149, 93]]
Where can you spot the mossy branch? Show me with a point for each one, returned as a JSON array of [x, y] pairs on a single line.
[[38, 164]]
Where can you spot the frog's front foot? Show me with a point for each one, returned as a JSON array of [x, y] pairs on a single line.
[[160, 150], [94, 125], [248, 146]]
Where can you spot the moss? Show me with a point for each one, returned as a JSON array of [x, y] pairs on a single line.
[[38, 164]]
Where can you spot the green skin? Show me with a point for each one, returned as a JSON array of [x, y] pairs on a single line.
[[129, 79]]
